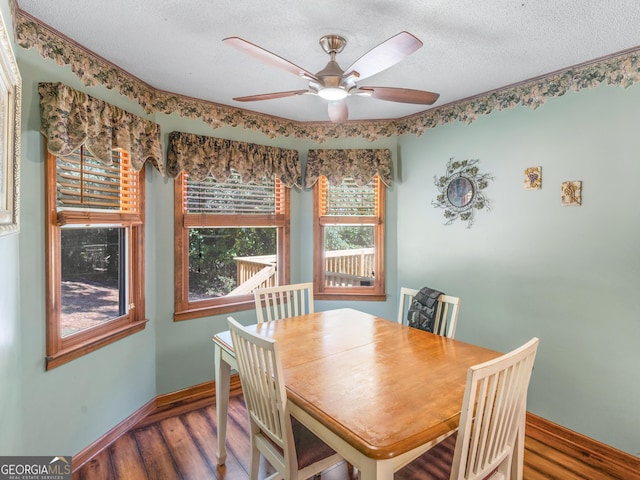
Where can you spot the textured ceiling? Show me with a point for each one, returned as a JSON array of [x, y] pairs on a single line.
[[470, 46]]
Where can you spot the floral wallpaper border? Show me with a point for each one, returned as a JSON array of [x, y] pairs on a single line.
[[621, 70]]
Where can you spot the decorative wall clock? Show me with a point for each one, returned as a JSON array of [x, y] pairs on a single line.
[[461, 191]]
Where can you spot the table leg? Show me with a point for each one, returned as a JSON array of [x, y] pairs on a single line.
[[376, 470], [222, 373]]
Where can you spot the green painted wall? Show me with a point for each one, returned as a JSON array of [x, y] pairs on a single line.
[[530, 267]]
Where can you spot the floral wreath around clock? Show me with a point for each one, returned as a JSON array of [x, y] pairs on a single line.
[[461, 191]]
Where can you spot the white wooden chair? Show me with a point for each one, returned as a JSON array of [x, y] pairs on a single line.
[[491, 426], [446, 312], [284, 301], [288, 446]]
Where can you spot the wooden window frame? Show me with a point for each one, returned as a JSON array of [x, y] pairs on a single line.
[[62, 350], [186, 309], [376, 292]]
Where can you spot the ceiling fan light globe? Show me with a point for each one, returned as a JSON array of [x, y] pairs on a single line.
[[332, 93]]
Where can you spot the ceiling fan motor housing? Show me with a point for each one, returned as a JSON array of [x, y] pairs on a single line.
[[333, 43], [331, 76]]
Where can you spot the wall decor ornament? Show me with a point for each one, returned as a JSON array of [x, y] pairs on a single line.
[[461, 191], [533, 178], [571, 194]]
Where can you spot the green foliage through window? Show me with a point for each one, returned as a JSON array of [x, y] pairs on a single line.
[[214, 253]]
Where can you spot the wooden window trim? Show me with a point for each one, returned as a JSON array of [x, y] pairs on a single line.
[[187, 310], [322, 292], [62, 350]]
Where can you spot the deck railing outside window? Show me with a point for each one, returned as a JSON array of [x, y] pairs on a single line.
[[343, 267]]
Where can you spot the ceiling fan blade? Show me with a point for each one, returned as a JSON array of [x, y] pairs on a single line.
[[271, 96], [268, 57], [338, 111], [402, 95], [385, 55]]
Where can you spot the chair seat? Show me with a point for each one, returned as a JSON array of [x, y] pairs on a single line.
[[435, 464], [309, 448]]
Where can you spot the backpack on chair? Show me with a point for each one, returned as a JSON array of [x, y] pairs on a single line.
[[422, 311]]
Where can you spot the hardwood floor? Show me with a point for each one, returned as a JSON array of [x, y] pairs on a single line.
[[183, 446]]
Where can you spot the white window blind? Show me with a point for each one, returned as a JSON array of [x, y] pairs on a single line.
[[349, 199], [233, 196]]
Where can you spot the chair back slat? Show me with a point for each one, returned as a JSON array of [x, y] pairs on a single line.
[[261, 377], [447, 309], [293, 451], [493, 413], [284, 301]]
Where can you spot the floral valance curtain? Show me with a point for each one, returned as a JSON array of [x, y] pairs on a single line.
[[70, 118], [360, 164], [200, 156]]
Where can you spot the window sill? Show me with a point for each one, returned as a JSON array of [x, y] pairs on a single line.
[[366, 297], [64, 356]]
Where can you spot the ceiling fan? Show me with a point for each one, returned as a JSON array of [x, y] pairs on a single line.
[[333, 83]]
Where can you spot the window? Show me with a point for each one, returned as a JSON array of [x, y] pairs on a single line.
[[230, 238], [349, 239], [95, 253]]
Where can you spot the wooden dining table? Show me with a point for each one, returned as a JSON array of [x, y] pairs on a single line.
[[379, 393]]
